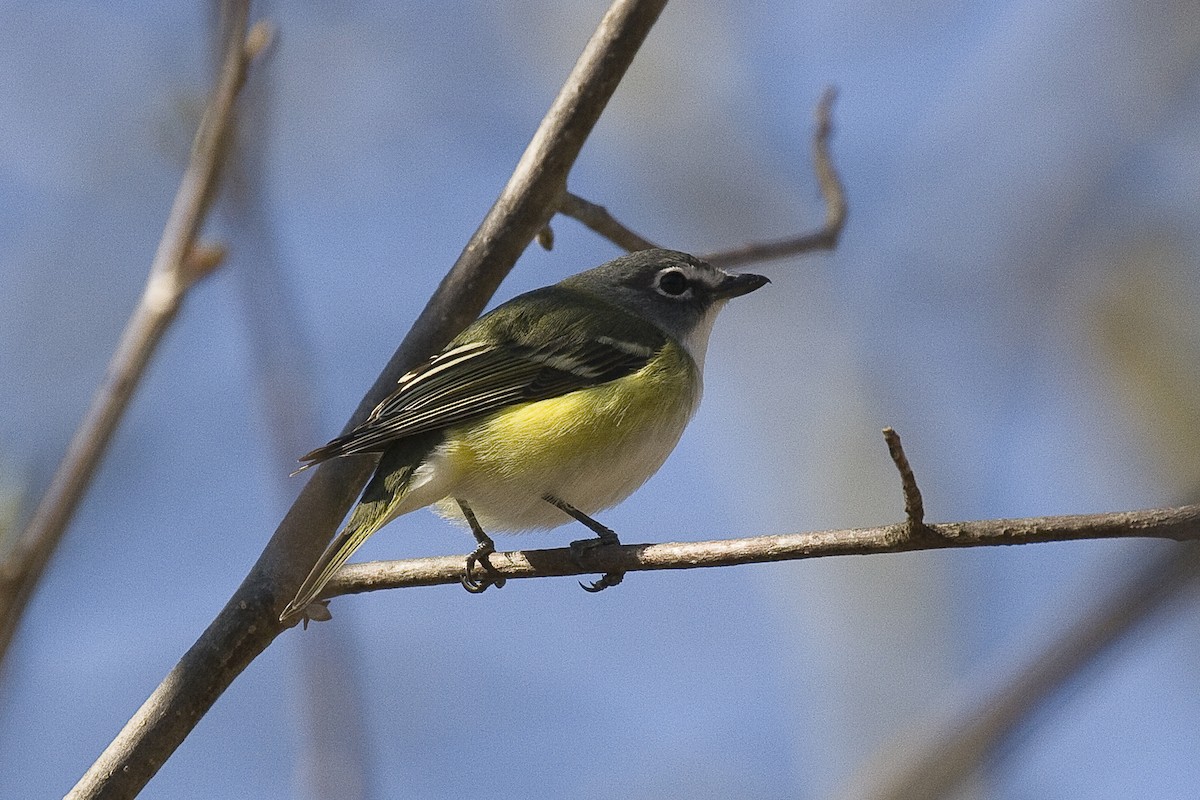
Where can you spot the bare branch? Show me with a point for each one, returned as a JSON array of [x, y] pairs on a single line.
[[1179, 524], [914, 506], [179, 262], [201, 261], [831, 189], [248, 623], [599, 220], [933, 760]]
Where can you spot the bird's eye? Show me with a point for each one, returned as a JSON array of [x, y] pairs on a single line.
[[672, 282]]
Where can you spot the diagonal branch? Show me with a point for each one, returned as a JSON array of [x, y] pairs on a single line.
[[179, 262], [935, 759], [598, 219], [248, 623], [1179, 524]]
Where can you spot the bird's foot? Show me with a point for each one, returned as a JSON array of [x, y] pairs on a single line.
[[491, 575], [581, 552], [479, 556]]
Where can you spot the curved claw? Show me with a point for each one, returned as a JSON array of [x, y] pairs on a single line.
[[473, 586], [606, 580], [582, 549], [480, 586]]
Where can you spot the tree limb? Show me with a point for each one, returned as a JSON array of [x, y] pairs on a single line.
[[598, 218], [836, 207], [248, 622], [934, 759], [1179, 524], [179, 262]]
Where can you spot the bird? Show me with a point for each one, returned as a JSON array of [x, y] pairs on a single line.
[[553, 406]]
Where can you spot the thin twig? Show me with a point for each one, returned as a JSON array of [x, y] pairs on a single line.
[[934, 759], [179, 262], [1179, 524], [248, 622], [914, 506], [598, 219], [831, 190]]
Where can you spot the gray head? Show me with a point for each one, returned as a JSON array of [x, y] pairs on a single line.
[[677, 292]]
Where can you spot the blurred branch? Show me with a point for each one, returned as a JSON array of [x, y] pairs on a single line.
[[324, 675], [1151, 355], [599, 220], [179, 262], [934, 760], [248, 622], [1179, 524], [834, 194], [10, 512]]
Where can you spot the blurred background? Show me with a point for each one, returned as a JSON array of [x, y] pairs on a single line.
[[1016, 292]]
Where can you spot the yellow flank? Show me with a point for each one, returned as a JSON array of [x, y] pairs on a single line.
[[591, 447]]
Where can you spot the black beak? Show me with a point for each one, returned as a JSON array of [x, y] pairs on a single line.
[[736, 285]]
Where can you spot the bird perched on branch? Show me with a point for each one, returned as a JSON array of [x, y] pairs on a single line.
[[555, 405]]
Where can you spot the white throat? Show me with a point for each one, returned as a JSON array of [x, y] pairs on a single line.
[[696, 340]]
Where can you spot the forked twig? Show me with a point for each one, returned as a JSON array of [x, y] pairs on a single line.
[[179, 262], [836, 207], [601, 221]]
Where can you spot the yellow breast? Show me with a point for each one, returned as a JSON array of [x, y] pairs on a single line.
[[591, 447]]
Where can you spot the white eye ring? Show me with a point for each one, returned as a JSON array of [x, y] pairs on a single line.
[[673, 283]]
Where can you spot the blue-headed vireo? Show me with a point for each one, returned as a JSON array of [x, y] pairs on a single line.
[[555, 405]]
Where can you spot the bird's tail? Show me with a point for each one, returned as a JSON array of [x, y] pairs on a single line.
[[340, 549], [381, 502]]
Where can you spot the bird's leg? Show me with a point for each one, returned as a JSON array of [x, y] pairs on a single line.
[[580, 549], [479, 556]]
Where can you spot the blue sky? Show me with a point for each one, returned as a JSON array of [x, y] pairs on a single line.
[[1015, 293]]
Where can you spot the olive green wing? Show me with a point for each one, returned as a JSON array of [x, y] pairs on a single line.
[[523, 351]]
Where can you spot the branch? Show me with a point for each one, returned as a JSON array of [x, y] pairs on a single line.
[[836, 208], [914, 506], [1179, 524], [249, 621], [941, 755], [179, 262], [933, 760], [598, 219]]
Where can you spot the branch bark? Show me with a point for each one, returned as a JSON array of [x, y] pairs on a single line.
[[247, 624], [179, 262], [1179, 524], [599, 220]]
